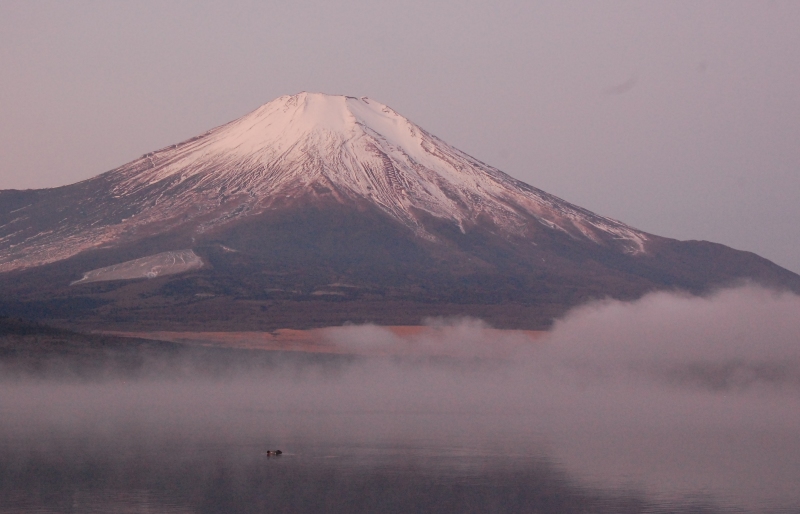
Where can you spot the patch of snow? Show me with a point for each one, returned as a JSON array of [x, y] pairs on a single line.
[[165, 263]]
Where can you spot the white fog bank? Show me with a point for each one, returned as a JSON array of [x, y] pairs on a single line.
[[671, 393]]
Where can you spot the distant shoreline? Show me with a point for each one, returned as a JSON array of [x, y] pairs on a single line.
[[402, 339]]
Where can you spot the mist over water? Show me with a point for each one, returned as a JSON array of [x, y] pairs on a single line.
[[676, 398]]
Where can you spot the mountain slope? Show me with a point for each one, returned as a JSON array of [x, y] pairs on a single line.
[[307, 144], [318, 209]]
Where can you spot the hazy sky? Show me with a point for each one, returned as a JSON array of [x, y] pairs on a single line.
[[679, 118]]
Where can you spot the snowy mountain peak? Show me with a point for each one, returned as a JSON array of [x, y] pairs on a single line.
[[312, 145], [306, 123]]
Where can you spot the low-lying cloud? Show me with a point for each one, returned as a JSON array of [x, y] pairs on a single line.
[[733, 339], [670, 389]]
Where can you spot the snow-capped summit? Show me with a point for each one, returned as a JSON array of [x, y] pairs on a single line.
[[315, 199], [311, 144]]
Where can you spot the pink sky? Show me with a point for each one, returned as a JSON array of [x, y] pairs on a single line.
[[679, 118]]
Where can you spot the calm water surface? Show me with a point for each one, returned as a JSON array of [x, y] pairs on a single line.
[[534, 433], [373, 462]]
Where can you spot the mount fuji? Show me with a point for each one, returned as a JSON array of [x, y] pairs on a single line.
[[318, 209]]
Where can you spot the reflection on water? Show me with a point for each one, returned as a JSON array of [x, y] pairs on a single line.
[[305, 479], [412, 463]]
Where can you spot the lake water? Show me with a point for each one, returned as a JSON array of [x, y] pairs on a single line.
[[138, 456], [73, 474], [670, 404]]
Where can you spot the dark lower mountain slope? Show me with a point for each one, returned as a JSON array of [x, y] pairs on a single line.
[[325, 262]]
